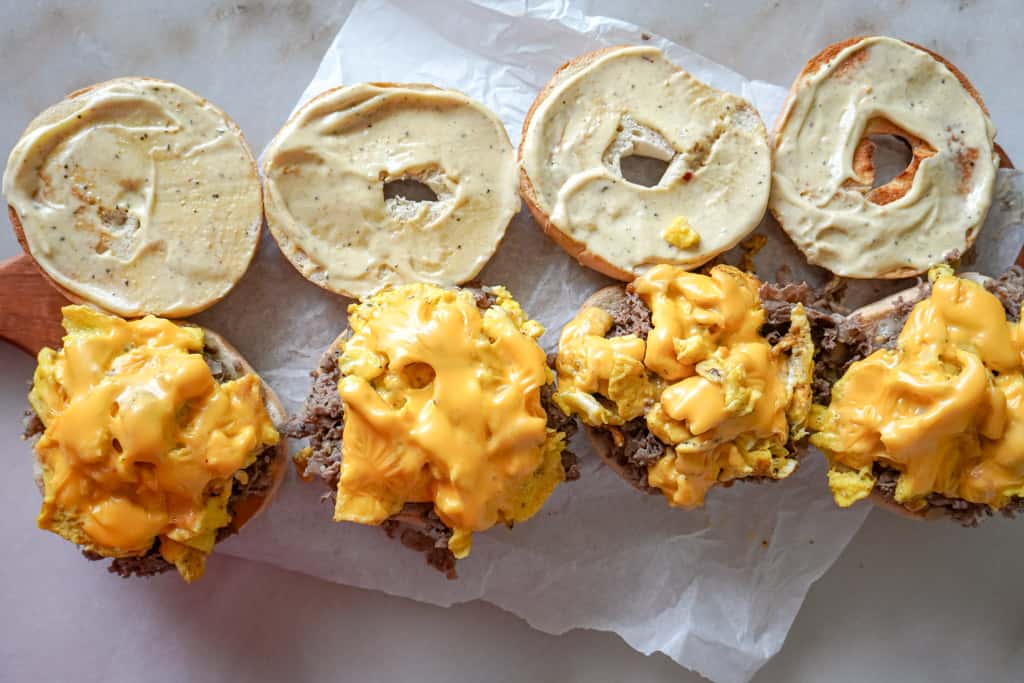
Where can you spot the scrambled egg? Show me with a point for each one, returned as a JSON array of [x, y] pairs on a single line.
[[945, 408], [442, 405], [141, 443], [724, 401], [680, 235]]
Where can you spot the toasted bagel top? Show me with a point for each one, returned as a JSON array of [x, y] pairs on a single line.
[[822, 182], [137, 195], [632, 101], [325, 176]]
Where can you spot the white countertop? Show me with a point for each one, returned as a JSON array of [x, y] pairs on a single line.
[[906, 601]]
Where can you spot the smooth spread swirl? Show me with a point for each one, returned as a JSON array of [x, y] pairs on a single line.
[[137, 195], [327, 168], [633, 101], [882, 85], [141, 442], [945, 408], [723, 399], [442, 405]]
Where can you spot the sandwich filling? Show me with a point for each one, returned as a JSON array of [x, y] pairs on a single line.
[[943, 408], [704, 395], [141, 446], [442, 404], [137, 195]]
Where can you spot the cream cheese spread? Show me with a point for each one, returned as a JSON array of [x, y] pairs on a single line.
[[633, 101], [817, 194], [137, 195], [325, 176]]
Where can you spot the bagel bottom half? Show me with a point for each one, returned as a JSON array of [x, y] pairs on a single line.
[[877, 326], [322, 420], [631, 448], [248, 499]]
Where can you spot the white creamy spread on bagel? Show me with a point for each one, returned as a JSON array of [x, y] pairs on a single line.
[[326, 172], [137, 195], [633, 101], [822, 186]]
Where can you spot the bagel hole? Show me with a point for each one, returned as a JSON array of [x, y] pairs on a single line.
[[418, 375], [892, 156], [642, 170], [409, 190]]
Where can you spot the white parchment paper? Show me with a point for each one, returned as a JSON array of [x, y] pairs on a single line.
[[715, 589]]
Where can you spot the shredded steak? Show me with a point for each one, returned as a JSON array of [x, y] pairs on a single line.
[[826, 318]]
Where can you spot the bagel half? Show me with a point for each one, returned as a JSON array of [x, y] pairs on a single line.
[[417, 525], [204, 263], [824, 252], [326, 173], [877, 326], [248, 500], [738, 129], [631, 448]]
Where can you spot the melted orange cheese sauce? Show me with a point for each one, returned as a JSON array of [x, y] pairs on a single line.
[[442, 405], [945, 408], [723, 399], [141, 442]]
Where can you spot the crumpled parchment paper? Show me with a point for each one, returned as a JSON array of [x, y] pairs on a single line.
[[715, 589]]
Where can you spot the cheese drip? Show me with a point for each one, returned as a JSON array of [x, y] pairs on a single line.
[[141, 442], [442, 405], [724, 401], [945, 408]]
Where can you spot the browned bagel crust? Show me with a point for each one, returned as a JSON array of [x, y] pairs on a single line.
[[19, 229], [816, 62], [577, 250]]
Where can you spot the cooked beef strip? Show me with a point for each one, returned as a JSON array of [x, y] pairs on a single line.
[[429, 536], [630, 316], [1009, 288], [322, 421], [826, 318]]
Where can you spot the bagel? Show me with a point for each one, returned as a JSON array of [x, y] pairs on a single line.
[[962, 459], [138, 196], [252, 487], [621, 101], [685, 382], [822, 192], [326, 172], [501, 395]]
